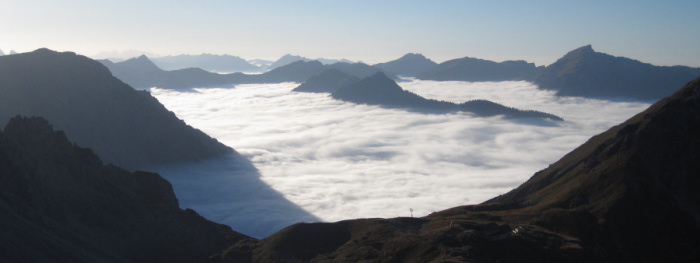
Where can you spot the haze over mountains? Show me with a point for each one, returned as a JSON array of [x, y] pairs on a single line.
[[581, 72], [289, 59], [142, 73], [78, 95], [209, 62]]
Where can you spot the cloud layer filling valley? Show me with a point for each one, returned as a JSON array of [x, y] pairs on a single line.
[[340, 160]]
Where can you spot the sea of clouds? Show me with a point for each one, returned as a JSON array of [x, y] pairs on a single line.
[[307, 157]]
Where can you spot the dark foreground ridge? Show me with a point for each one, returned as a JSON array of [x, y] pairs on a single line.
[[627, 195], [379, 89], [59, 203], [80, 96]]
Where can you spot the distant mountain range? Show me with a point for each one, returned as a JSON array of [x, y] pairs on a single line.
[[410, 65], [289, 59], [209, 62], [627, 195], [379, 89], [142, 73], [59, 203], [78, 95], [584, 72], [473, 69]]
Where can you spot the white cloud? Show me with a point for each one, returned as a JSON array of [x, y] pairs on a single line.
[[340, 160]]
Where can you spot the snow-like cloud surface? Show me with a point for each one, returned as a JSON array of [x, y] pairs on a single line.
[[340, 160]]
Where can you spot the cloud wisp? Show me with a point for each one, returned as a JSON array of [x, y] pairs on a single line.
[[341, 160]]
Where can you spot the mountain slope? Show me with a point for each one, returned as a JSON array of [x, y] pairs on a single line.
[[59, 203], [78, 95], [327, 82], [142, 73], [587, 73], [378, 89], [473, 69], [627, 195], [410, 65], [632, 187]]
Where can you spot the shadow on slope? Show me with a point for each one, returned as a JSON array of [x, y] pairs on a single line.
[[229, 190]]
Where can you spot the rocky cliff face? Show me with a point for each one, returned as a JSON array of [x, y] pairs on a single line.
[[59, 203], [80, 96]]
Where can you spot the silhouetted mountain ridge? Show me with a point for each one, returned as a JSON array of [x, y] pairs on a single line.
[[143, 74], [78, 95], [327, 82], [208, 62], [378, 89], [474, 69], [409, 65], [61, 204], [587, 73]]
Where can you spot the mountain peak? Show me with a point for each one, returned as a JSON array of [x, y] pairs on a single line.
[[142, 63], [410, 64], [582, 51], [413, 56]]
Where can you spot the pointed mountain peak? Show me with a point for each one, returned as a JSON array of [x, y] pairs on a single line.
[[582, 51], [141, 62], [379, 76]]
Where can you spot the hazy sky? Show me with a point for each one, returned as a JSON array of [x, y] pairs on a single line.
[[658, 32]]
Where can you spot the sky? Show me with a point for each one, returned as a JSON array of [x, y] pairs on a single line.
[[320, 159], [657, 32]]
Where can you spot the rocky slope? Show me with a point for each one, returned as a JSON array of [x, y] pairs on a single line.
[[59, 203], [587, 73], [78, 95], [627, 195]]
